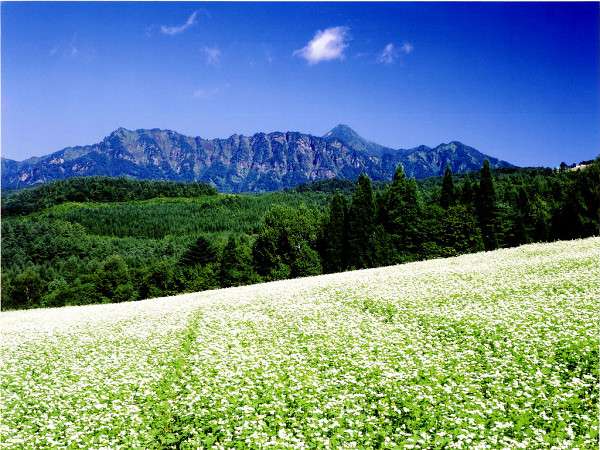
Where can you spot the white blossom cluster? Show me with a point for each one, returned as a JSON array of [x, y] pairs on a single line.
[[490, 350]]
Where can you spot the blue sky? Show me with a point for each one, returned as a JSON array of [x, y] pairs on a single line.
[[517, 81]]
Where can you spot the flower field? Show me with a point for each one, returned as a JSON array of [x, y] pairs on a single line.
[[490, 350]]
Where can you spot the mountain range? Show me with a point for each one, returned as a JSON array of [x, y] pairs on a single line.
[[261, 162]]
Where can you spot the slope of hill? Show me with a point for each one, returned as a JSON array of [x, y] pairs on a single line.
[[62, 242], [262, 162], [495, 349]]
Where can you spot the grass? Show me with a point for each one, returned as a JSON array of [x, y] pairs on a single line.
[[491, 350]]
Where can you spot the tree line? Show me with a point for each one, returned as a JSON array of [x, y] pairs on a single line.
[[58, 262], [97, 189]]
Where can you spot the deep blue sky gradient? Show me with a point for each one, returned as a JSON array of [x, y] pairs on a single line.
[[519, 81]]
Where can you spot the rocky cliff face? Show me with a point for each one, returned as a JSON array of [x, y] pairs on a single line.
[[262, 162]]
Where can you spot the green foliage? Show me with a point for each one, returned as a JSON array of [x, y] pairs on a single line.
[[447, 195], [361, 225], [201, 252], [158, 218], [62, 293], [37, 241], [199, 278], [495, 350], [26, 289], [402, 213], [236, 263], [97, 189], [91, 252], [460, 232], [330, 186], [335, 239], [487, 208], [579, 214], [114, 282], [158, 279], [522, 228], [285, 246]]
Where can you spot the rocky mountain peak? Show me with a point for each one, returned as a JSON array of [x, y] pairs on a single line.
[[262, 162], [343, 132]]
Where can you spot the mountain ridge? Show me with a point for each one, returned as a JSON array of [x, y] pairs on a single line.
[[260, 162]]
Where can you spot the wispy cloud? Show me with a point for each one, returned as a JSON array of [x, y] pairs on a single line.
[[73, 50], [204, 93], [70, 49], [176, 29], [390, 52], [388, 55], [407, 48], [212, 55], [326, 45]]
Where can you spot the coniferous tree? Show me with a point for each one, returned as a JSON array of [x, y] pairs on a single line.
[[467, 193], [541, 216], [334, 236], [579, 215], [284, 245], [570, 220], [402, 216], [158, 280], [201, 252], [361, 224], [522, 224], [27, 288], [62, 260], [447, 196], [114, 281], [460, 232], [236, 264], [486, 207]]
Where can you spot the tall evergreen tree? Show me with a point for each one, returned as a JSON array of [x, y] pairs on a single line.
[[522, 223], [460, 232], [201, 252], [114, 281], [26, 289], [334, 236], [447, 196], [236, 264], [486, 207], [284, 245], [467, 193], [402, 213], [361, 225]]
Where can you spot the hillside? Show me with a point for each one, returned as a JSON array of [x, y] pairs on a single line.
[[495, 349], [63, 242], [262, 162]]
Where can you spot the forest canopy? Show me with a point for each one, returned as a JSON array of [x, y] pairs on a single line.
[[100, 239]]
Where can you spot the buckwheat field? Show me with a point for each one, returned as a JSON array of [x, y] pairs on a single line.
[[490, 350]]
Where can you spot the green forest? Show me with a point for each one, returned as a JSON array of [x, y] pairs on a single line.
[[98, 239]]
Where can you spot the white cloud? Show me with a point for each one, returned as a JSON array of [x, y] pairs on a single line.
[[388, 55], [390, 52], [171, 31], [326, 45], [212, 55], [407, 48]]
